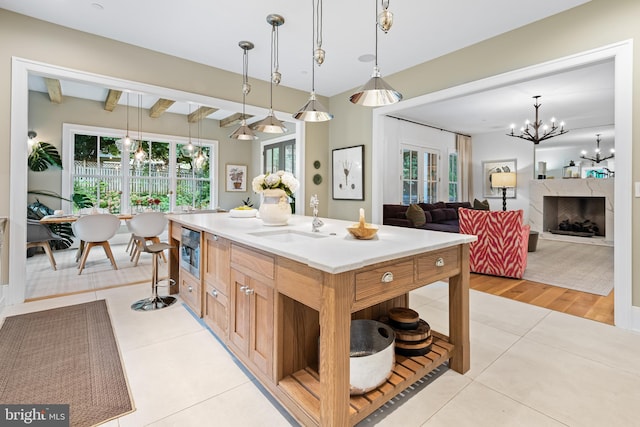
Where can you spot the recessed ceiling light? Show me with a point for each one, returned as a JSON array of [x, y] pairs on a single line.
[[367, 57], [97, 6]]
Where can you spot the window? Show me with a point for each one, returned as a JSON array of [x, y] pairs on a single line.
[[453, 177], [420, 175], [118, 181], [280, 156]]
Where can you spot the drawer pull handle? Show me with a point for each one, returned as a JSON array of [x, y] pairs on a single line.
[[248, 291], [214, 293], [215, 237], [190, 288], [243, 288], [387, 277], [440, 262]]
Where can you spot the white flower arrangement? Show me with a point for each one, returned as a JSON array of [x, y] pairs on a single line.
[[280, 179]]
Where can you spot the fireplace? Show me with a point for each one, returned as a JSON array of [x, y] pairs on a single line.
[[574, 216], [555, 200]]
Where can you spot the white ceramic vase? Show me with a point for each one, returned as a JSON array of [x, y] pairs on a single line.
[[274, 207]]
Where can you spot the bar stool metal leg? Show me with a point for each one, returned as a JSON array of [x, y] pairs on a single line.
[[155, 302]]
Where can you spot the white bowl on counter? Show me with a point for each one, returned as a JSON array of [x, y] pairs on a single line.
[[243, 213]]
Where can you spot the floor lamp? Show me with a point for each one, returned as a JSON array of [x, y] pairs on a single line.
[[503, 180]]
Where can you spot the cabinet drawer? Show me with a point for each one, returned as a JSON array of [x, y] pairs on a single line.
[[255, 262], [383, 281], [439, 264], [216, 312], [190, 291]]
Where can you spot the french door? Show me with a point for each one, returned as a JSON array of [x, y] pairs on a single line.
[[420, 174]]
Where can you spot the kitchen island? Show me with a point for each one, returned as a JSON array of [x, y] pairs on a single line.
[[282, 300]]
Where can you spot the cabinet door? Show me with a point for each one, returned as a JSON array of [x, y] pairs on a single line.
[[216, 312], [217, 262], [190, 291], [261, 333], [240, 307]]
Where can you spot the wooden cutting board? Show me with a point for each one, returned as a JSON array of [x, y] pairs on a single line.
[[404, 317], [421, 332]]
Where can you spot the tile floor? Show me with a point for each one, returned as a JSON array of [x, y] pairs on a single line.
[[529, 367]]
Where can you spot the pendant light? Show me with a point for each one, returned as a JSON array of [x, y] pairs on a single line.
[[313, 110], [140, 155], [126, 143], [189, 149], [376, 92], [200, 158], [244, 132], [271, 124]]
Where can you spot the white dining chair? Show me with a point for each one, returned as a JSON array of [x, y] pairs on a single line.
[[96, 230], [148, 226]]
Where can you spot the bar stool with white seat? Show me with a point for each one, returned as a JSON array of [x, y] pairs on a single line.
[[148, 225], [155, 302]]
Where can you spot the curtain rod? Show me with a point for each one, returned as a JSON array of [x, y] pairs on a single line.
[[429, 126]]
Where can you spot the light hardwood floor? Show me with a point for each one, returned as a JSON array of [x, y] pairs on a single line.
[[582, 304]]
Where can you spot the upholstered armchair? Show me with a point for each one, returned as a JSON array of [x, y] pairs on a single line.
[[501, 248]]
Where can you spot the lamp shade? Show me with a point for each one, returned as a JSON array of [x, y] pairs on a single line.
[[376, 92], [313, 111], [503, 180]]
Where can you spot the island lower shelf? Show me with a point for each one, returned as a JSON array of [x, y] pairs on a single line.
[[304, 385]]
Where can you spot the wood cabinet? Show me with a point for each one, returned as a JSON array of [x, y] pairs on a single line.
[[216, 273], [191, 291], [251, 325]]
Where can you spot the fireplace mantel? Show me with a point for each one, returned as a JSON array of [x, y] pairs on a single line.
[[588, 187]]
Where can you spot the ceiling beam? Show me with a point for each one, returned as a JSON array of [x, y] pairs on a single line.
[[55, 91], [233, 119], [200, 114], [112, 99], [160, 107]]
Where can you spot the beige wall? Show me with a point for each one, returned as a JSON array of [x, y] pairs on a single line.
[[36, 40], [593, 25]]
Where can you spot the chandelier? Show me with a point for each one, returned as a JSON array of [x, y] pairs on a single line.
[[597, 158], [538, 131]]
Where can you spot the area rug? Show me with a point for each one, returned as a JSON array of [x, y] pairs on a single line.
[[583, 267], [66, 355]]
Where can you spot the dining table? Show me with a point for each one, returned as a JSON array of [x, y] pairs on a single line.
[[59, 219]]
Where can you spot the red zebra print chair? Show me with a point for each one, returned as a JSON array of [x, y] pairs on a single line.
[[501, 248]]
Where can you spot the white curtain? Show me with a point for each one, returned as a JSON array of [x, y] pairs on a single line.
[[463, 146]]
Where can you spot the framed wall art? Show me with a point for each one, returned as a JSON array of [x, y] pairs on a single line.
[[348, 173], [495, 166], [236, 177]]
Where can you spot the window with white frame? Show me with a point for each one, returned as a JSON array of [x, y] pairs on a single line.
[[420, 175], [453, 176], [119, 180]]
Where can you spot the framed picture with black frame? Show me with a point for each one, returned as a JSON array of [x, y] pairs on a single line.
[[496, 166], [348, 173]]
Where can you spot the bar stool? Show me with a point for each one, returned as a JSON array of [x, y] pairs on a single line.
[[155, 301]]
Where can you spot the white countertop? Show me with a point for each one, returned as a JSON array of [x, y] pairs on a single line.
[[332, 249]]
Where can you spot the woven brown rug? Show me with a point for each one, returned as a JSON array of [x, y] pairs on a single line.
[[66, 355]]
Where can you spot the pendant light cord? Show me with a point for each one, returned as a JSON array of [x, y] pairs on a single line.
[[245, 78], [318, 21], [376, 28], [274, 63], [313, 44]]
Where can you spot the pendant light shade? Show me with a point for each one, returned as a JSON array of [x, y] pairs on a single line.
[[271, 124], [244, 132], [313, 110], [376, 92]]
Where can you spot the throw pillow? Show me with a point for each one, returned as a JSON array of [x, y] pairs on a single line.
[[415, 214], [481, 205]]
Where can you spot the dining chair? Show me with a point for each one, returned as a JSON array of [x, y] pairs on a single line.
[[39, 235], [147, 226], [96, 230]]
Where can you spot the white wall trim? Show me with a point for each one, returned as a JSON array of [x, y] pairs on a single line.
[[622, 54]]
